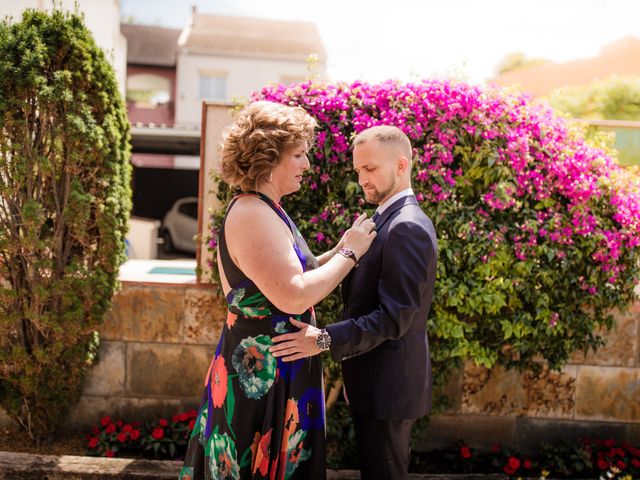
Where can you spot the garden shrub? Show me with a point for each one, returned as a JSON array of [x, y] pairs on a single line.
[[64, 205]]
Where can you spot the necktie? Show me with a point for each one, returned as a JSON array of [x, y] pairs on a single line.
[[375, 216]]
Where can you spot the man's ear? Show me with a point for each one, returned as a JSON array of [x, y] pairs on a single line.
[[402, 164]]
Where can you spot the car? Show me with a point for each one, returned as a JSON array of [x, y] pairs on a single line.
[[180, 226]]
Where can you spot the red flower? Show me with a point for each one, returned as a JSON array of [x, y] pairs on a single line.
[[127, 428], [120, 423], [191, 413], [135, 434], [110, 428], [219, 381], [110, 454], [635, 462], [163, 422], [527, 464], [93, 443], [609, 443], [176, 418], [105, 421], [621, 465], [603, 464], [157, 433], [513, 463], [95, 430], [465, 452], [122, 437], [192, 424]]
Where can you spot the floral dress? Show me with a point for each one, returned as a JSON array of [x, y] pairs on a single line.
[[261, 418]]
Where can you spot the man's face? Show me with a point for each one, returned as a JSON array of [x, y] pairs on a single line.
[[375, 166]]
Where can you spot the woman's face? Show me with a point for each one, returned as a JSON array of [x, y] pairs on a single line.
[[288, 174]]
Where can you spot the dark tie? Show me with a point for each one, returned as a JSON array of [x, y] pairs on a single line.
[[375, 216]]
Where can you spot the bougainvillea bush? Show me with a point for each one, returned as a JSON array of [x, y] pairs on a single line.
[[539, 232]]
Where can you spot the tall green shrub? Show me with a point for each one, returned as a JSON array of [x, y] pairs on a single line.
[[64, 205]]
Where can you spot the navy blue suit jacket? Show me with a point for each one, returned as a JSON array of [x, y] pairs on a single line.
[[382, 341]]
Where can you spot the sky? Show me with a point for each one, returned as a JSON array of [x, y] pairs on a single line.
[[375, 40]]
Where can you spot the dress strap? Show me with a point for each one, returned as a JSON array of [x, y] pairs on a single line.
[[234, 275]]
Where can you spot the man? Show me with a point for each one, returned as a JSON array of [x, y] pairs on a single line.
[[382, 340]]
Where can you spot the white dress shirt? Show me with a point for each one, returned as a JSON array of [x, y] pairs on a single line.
[[389, 201]]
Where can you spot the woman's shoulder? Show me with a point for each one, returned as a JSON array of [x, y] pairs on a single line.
[[249, 210]]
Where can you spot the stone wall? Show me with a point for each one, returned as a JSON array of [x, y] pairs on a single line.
[[157, 343], [156, 346], [597, 394]]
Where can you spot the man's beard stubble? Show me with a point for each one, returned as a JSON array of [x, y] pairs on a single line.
[[377, 196]]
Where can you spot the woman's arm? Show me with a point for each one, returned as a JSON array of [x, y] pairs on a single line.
[[326, 256], [261, 245]]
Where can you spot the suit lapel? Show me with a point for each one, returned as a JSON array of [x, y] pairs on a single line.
[[394, 207], [380, 221]]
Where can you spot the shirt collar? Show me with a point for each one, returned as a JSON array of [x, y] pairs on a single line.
[[404, 193]]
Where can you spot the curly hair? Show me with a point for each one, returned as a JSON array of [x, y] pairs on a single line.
[[261, 134]]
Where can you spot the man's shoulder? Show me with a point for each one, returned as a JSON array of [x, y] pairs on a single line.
[[411, 214]]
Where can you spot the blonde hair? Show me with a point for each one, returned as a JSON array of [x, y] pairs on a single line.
[[255, 142], [386, 135]]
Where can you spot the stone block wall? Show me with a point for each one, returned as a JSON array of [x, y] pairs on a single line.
[[158, 340], [595, 394], [155, 348]]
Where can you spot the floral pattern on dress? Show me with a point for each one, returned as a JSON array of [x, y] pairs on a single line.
[[255, 365], [311, 409], [223, 460], [186, 473]]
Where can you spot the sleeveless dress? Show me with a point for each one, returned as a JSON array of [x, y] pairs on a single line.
[[260, 418]]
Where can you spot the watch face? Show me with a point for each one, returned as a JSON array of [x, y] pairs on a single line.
[[323, 341]]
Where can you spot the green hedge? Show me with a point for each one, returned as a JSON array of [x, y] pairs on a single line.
[[64, 206]]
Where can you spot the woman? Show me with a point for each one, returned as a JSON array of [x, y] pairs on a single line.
[[261, 417]]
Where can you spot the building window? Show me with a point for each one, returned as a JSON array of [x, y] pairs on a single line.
[[147, 90], [213, 86]]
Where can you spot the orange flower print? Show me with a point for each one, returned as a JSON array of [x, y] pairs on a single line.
[[260, 452], [231, 319], [291, 418], [291, 421], [219, 382]]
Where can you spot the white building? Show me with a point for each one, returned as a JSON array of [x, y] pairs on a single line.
[[221, 57], [102, 18]]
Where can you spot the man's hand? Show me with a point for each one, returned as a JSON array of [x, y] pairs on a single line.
[[293, 346]]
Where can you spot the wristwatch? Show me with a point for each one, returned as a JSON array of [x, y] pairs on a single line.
[[348, 253], [323, 340]]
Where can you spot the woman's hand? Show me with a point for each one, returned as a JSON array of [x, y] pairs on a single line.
[[360, 236]]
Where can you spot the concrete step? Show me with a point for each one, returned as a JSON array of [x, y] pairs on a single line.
[[26, 466]]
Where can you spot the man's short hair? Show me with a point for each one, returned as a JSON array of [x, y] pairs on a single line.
[[387, 135]]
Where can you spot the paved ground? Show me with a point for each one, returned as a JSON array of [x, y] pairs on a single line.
[[24, 466]]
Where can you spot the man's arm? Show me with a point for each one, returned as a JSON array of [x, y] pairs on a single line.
[[408, 253]]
